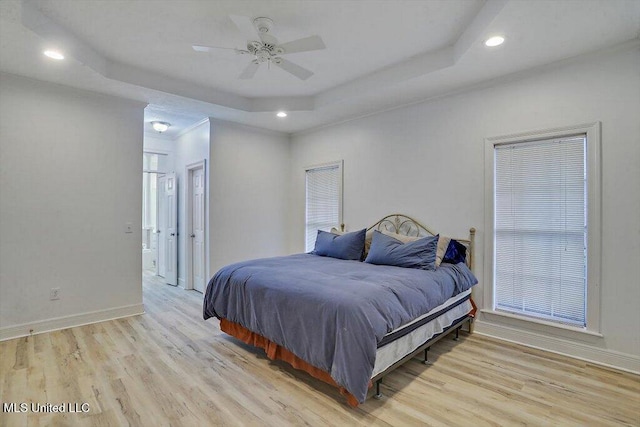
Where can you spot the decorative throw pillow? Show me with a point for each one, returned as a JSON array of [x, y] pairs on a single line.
[[367, 243], [367, 240], [443, 244], [346, 246], [456, 252], [386, 250]]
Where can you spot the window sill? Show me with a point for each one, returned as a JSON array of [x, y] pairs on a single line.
[[546, 324]]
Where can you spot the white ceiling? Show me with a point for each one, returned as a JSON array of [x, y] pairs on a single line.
[[379, 54]]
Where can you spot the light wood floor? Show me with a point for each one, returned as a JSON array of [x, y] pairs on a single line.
[[169, 367]]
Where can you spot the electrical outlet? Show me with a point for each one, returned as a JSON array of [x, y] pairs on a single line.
[[55, 294]]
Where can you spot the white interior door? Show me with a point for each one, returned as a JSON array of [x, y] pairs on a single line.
[[197, 229], [161, 230], [171, 234]]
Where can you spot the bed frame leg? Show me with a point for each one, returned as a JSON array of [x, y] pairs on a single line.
[[457, 333], [426, 356], [378, 395]]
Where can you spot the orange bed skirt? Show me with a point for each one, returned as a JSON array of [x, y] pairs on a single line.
[[276, 352]]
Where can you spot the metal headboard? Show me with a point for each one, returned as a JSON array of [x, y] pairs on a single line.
[[407, 226]]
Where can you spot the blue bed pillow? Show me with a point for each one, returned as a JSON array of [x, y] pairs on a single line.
[[385, 250], [347, 246], [456, 252]]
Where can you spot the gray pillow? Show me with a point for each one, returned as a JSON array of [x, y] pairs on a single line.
[[385, 250], [346, 246]]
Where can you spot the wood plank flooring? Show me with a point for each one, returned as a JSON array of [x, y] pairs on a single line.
[[169, 367]]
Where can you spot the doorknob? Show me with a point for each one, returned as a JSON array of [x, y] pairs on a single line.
[[173, 234], [193, 235]]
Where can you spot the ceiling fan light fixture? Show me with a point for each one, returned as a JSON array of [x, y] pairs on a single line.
[[53, 54], [160, 126], [281, 114], [263, 24], [494, 41]]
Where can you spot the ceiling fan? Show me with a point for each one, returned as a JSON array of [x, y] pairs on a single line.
[[265, 48]]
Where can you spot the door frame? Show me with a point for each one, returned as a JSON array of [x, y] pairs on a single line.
[[188, 173], [162, 192], [171, 270]]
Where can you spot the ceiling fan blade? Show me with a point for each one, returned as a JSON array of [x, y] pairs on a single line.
[[303, 45], [201, 48], [295, 69], [250, 71], [246, 27], [212, 48], [198, 48]]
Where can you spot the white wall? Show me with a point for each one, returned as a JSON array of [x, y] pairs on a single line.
[[70, 166], [427, 161], [190, 147], [247, 175], [250, 171]]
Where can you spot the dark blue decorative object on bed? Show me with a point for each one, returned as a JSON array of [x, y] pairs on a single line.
[[348, 246], [456, 252], [385, 250]]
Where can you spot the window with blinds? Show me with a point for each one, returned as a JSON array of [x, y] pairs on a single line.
[[323, 200], [540, 229]]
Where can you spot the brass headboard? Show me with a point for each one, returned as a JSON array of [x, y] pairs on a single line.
[[407, 226]]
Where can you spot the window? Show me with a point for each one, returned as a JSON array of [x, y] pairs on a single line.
[[323, 200], [545, 222]]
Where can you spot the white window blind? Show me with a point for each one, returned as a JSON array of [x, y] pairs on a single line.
[[540, 229], [323, 201]]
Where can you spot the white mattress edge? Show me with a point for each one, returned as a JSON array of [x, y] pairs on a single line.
[[445, 304], [396, 350]]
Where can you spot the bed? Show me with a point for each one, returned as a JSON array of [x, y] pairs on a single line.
[[346, 322]]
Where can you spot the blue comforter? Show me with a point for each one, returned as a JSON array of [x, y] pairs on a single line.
[[330, 313]]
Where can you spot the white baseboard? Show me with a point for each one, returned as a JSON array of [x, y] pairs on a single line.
[[65, 322], [600, 356]]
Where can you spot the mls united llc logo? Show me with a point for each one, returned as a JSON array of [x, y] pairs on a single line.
[[65, 407]]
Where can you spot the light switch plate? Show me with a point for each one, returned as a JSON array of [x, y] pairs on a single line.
[[128, 227]]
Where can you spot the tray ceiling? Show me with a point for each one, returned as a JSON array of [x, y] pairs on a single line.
[[379, 54]]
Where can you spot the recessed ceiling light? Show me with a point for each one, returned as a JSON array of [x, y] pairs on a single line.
[[160, 126], [53, 54], [281, 114], [494, 41]]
